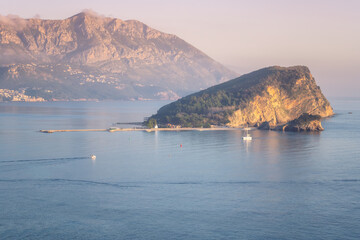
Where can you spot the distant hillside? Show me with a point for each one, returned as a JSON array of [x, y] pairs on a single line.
[[275, 95], [89, 56]]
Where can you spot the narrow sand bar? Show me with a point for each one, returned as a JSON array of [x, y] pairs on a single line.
[[141, 129]]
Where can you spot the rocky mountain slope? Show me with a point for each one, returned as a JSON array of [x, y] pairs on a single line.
[[273, 95], [89, 56]]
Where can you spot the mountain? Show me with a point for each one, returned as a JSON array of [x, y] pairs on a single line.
[[273, 95], [93, 57]]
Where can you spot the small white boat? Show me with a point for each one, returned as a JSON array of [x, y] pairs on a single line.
[[93, 157], [248, 136]]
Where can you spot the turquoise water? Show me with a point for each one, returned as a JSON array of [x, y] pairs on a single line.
[[145, 186]]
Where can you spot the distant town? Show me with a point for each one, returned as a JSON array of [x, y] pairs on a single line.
[[18, 96]]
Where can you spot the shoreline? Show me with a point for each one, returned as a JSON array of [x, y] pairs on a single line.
[[140, 129]]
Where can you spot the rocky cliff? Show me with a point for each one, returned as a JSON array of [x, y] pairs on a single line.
[[305, 123], [273, 95], [90, 56]]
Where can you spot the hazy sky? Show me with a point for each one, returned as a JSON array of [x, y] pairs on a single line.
[[243, 35]]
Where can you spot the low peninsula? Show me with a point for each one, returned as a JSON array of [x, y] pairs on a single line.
[[272, 96]]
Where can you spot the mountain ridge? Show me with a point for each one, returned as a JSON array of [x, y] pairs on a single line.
[[126, 59]]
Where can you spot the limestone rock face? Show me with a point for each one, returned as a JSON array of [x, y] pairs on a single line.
[[285, 95], [305, 123], [314, 126], [268, 97], [289, 92], [101, 57]]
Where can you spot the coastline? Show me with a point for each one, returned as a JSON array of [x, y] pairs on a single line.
[[140, 129]]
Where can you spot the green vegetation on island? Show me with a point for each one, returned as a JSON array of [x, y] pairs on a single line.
[[198, 110], [151, 123]]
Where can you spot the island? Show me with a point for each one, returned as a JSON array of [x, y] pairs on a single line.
[[269, 98]]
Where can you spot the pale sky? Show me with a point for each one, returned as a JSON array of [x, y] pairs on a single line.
[[243, 35]]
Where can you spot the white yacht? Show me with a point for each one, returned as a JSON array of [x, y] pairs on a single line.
[[248, 136]]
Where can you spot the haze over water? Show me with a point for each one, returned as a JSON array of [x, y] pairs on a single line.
[[145, 186]]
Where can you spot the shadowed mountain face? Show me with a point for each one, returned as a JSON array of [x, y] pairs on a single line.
[[273, 95], [93, 57]]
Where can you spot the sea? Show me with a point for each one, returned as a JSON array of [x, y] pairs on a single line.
[[174, 185]]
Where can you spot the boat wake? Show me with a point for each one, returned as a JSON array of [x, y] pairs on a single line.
[[70, 181], [42, 160]]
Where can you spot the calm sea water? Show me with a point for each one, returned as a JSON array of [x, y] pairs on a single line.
[[145, 186]]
